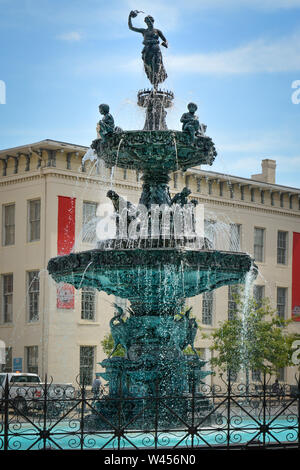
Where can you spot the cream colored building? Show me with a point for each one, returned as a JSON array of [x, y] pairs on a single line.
[[253, 215]]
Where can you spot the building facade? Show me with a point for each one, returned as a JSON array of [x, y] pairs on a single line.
[[49, 203]]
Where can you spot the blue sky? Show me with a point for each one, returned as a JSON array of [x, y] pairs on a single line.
[[237, 59]]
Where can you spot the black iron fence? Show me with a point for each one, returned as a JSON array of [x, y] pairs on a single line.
[[49, 416]]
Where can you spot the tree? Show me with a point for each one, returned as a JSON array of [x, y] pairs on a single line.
[[256, 338], [108, 345]]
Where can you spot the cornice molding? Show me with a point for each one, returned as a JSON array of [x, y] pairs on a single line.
[[70, 175]]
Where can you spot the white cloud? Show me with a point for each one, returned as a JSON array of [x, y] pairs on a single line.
[[72, 36], [261, 55]]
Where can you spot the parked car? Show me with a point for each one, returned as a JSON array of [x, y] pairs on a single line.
[[26, 392]]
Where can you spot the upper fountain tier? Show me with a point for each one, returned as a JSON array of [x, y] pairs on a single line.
[[155, 153]]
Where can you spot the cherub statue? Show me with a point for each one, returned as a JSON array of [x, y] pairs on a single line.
[[125, 211], [182, 197], [107, 124], [191, 124]]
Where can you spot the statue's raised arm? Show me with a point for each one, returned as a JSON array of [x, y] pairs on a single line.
[[151, 53], [133, 14]]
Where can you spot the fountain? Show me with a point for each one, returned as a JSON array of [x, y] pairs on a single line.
[[156, 260]]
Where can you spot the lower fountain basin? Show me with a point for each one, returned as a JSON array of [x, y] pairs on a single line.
[[154, 280]]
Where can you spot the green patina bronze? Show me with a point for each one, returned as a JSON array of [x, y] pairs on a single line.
[[155, 274]]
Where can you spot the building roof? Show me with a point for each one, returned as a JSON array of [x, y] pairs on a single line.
[[231, 179], [44, 144]]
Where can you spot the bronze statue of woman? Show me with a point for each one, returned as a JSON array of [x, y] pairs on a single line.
[[151, 53]]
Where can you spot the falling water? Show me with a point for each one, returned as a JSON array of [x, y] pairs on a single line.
[[222, 233], [176, 152], [249, 280], [113, 169]]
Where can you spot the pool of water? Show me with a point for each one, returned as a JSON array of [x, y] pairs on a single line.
[[67, 435]]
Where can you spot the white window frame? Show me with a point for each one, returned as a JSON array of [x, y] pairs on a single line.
[[4, 233], [3, 299], [30, 222], [85, 221], [32, 293], [91, 292], [282, 248], [262, 258]]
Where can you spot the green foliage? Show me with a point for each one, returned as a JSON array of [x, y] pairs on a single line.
[[108, 345], [189, 351], [256, 338]]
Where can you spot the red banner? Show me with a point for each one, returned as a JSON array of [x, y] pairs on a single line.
[[65, 225], [65, 243], [296, 277]]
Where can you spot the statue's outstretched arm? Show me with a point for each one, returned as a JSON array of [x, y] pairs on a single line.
[[133, 14]]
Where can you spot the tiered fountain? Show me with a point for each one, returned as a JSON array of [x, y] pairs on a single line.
[[156, 259]]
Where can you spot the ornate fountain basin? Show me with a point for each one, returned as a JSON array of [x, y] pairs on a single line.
[[154, 280], [155, 151]]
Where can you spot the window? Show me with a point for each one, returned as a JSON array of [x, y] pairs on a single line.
[[68, 158], [175, 180], [262, 197], [51, 157], [87, 355], [210, 186], [282, 247], [221, 186], [233, 291], [235, 237], [281, 374], [88, 303], [281, 301], [7, 366], [258, 294], [281, 200], [259, 235], [198, 185], [34, 220], [89, 222], [32, 357], [209, 231], [8, 225], [33, 295], [207, 308], [272, 199], [242, 193], [256, 375], [252, 192], [7, 288], [28, 379]]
